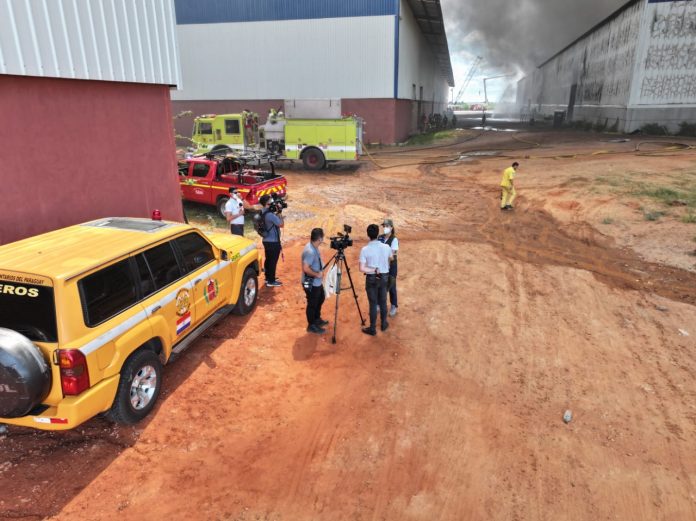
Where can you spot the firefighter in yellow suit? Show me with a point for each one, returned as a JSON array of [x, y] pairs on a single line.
[[508, 186]]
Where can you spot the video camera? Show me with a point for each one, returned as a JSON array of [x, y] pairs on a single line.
[[342, 240], [278, 204]]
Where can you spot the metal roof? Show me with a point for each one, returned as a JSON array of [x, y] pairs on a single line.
[[107, 40], [428, 13], [61, 254]]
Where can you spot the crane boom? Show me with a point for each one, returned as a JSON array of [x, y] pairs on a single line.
[[467, 80]]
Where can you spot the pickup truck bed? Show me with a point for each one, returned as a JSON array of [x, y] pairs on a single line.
[[208, 181]]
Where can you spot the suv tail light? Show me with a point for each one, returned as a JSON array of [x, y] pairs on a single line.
[[74, 376]]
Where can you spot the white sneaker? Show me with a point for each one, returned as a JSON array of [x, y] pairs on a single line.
[[392, 311]]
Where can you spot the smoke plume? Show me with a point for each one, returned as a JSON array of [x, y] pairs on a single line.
[[518, 35]]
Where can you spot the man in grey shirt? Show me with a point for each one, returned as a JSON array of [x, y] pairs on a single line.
[[312, 271]]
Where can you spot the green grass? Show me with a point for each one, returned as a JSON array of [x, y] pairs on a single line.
[[654, 129], [430, 138], [689, 218], [653, 216], [687, 129], [667, 194], [607, 220], [208, 218]]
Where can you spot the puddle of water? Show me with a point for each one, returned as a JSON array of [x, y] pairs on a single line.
[[479, 153], [494, 129]]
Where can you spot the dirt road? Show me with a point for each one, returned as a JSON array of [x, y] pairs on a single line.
[[506, 320]]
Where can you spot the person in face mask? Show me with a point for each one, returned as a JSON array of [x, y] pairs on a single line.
[[389, 238]]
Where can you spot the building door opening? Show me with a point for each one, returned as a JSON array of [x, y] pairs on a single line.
[[571, 102]]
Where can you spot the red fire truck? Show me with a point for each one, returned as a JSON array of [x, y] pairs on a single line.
[[207, 179]]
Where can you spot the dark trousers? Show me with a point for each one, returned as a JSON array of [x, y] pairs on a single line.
[[315, 299], [237, 229], [272, 250], [393, 272], [377, 296]]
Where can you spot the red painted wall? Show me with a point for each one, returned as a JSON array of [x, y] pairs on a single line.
[[73, 150], [386, 120]]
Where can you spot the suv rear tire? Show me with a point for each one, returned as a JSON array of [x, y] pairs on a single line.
[[25, 376], [138, 388], [248, 293]]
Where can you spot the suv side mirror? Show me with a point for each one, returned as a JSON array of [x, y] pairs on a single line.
[[223, 255]]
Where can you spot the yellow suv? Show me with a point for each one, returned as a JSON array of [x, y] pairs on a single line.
[[89, 314]]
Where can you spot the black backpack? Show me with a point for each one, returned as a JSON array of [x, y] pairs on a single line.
[[260, 223]]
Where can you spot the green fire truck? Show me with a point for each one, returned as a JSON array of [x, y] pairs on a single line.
[[300, 134]]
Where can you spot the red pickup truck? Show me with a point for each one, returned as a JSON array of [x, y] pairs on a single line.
[[208, 180]]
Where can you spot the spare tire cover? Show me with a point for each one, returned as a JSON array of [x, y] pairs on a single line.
[[25, 377]]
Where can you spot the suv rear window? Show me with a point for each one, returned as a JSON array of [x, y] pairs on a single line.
[[29, 310], [107, 292]]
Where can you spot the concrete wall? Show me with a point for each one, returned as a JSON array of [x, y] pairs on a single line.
[[288, 59], [80, 150], [599, 67], [664, 87], [639, 67], [418, 66]]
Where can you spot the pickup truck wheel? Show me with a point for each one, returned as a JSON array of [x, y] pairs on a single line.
[[138, 388], [25, 376], [248, 293], [221, 204], [313, 159]]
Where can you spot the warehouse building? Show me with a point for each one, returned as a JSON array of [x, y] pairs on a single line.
[[637, 67], [387, 60], [86, 113]]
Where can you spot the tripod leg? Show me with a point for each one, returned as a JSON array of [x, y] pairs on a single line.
[[338, 294], [355, 296]]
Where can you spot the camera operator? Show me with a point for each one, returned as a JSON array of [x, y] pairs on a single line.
[[374, 263], [234, 212], [312, 271], [273, 222]]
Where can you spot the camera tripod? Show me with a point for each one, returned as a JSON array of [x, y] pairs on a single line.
[[339, 260]]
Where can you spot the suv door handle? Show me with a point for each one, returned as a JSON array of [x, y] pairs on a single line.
[[155, 309], [195, 282]]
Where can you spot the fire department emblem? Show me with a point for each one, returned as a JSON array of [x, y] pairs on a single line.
[[183, 302], [211, 290]]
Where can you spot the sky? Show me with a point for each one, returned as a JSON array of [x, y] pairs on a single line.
[[512, 37]]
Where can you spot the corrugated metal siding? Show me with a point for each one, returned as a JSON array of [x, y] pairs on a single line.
[[417, 63], [227, 11], [328, 58], [111, 40]]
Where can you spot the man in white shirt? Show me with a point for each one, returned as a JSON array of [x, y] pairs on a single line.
[[234, 212], [374, 263]]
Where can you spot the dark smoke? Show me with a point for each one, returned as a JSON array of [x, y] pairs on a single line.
[[514, 35]]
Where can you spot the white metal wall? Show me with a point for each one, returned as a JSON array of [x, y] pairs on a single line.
[[417, 64], [112, 40], [601, 65], [666, 75], [321, 58]]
